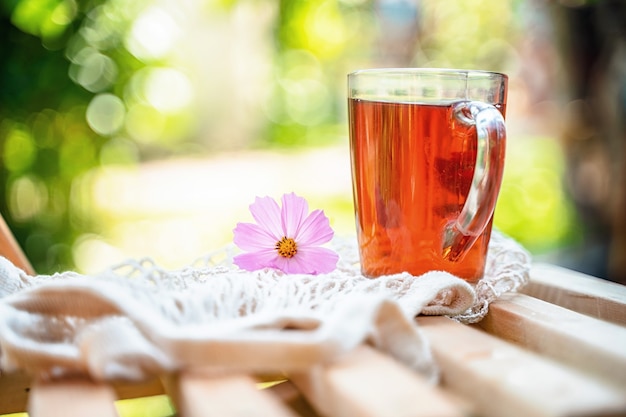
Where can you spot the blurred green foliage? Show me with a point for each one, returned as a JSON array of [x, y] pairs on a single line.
[[533, 206], [45, 139], [39, 107], [75, 81], [91, 83]]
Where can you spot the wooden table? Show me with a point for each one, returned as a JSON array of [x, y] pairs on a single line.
[[557, 349]]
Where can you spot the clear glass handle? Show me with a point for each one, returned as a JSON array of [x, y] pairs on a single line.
[[460, 234]]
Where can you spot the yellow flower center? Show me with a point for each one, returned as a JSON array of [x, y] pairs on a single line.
[[286, 247]]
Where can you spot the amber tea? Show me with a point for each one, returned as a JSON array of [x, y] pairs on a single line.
[[422, 200]]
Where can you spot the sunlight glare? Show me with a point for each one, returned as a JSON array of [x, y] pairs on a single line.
[[168, 90], [153, 34]]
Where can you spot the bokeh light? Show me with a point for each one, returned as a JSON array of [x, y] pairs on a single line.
[[130, 138], [105, 114], [153, 34]]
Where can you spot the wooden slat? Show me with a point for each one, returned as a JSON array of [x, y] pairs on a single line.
[[202, 395], [14, 388], [147, 388], [579, 292], [68, 398], [287, 392], [370, 384], [10, 249], [502, 379], [590, 344]]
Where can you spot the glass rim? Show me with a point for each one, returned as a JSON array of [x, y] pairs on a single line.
[[431, 71]]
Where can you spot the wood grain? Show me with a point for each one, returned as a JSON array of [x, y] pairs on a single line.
[[14, 389], [578, 292], [69, 398], [502, 379], [367, 383], [10, 249], [592, 345], [203, 395]]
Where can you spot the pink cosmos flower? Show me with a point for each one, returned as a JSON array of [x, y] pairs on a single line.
[[287, 238]]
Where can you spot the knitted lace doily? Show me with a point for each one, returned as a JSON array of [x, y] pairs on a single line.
[[507, 270], [137, 319]]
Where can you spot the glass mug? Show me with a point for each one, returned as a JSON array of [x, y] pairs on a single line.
[[427, 156]]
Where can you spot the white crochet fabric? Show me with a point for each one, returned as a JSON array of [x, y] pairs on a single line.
[[137, 319]]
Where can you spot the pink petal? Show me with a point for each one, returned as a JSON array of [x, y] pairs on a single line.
[[294, 210], [319, 260], [266, 212], [252, 261], [252, 237], [315, 230], [288, 265], [309, 261]]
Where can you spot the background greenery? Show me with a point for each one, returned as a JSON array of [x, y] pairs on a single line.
[[93, 85]]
